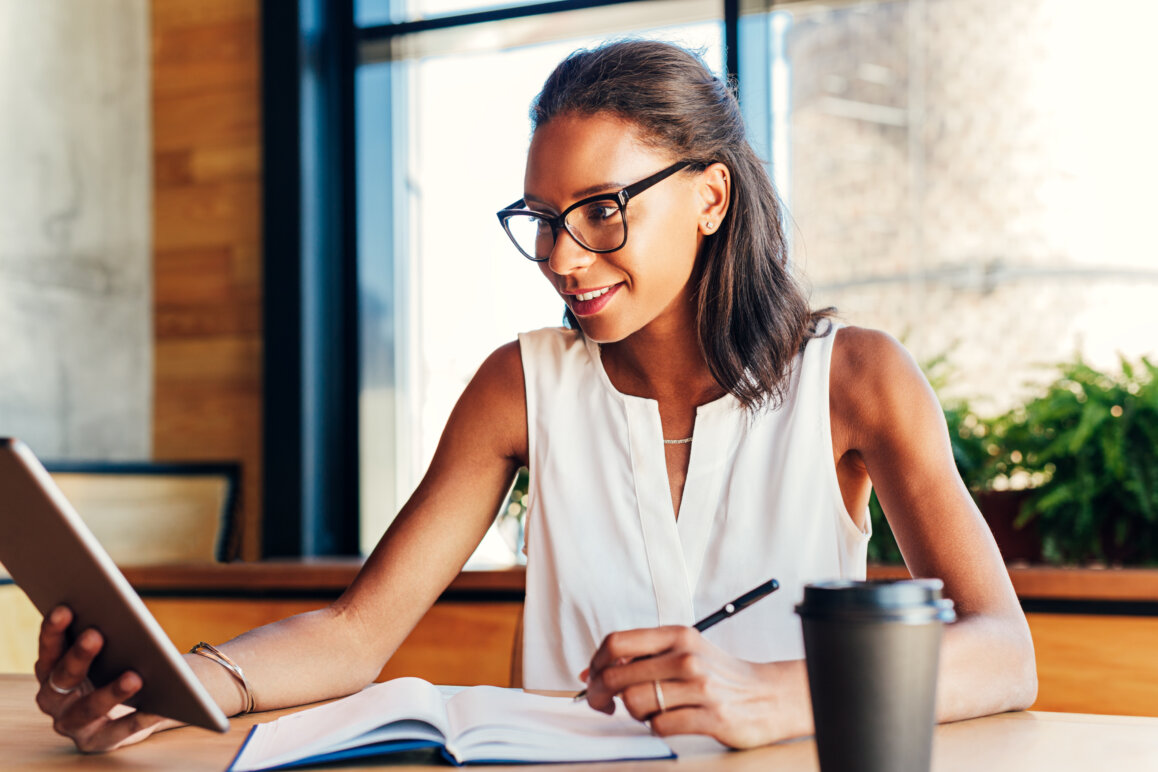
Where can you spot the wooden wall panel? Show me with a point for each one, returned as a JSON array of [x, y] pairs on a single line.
[[205, 214], [461, 643], [207, 53], [207, 239], [1096, 664], [19, 627], [188, 14], [457, 642]]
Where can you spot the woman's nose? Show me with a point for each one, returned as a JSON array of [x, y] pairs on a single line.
[[568, 255]]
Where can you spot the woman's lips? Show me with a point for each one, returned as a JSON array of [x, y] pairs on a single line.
[[591, 302]]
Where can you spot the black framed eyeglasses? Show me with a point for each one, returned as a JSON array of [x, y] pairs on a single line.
[[597, 223]]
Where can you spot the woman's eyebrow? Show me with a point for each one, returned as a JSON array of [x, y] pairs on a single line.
[[603, 187]]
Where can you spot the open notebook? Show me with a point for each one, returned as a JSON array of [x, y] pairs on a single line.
[[478, 725]]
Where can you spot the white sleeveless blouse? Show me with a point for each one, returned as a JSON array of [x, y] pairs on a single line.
[[606, 552]]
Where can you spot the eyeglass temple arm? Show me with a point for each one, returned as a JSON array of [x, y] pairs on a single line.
[[631, 191]]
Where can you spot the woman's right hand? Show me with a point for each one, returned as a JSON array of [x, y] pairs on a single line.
[[96, 720]]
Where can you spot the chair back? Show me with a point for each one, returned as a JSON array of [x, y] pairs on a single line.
[[146, 513]]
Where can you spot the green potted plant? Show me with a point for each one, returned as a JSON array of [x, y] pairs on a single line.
[[1087, 450]]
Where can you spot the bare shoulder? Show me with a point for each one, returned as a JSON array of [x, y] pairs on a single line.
[[502, 369], [863, 358], [494, 403], [874, 379]]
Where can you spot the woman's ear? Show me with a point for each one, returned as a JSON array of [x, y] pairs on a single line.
[[714, 189]]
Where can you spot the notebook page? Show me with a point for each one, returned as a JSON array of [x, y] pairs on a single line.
[[342, 723], [497, 724]]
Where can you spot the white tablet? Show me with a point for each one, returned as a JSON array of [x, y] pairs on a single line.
[[56, 560]]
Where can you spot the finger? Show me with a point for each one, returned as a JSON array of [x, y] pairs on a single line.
[[622, 648], [673, 680], [627, 645], [125, 730], [132, 728], [88, 715], [647, 700], [636, 675], [686, 720], [51, 643], [71, 670], [679, 663]]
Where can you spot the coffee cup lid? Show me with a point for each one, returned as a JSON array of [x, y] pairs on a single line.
[[914, 600]]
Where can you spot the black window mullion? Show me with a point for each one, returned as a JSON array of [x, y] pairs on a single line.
[[310, 363], [732, 40], [380, 32]]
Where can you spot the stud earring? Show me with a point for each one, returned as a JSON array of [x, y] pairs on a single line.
[[710, 225]]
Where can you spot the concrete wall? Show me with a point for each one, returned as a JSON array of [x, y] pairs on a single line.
[[75, 211], [973, 176]]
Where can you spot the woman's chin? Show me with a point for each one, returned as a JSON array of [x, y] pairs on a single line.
[[599, 332]]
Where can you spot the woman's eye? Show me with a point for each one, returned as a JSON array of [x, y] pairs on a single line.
[[601, 211]]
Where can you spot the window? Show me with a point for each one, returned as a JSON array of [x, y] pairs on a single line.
[[973, 177], [443, 134]]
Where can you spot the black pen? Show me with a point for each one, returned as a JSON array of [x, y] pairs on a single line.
[[727, 610]]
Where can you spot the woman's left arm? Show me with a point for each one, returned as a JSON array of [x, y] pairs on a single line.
[[887, 425], [887, 418]]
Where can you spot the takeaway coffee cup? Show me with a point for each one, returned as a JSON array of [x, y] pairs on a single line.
[[872, 650]]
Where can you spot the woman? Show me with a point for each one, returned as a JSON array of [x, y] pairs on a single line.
[[699, 432]]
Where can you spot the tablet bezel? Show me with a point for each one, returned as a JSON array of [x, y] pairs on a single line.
[[55, 559]]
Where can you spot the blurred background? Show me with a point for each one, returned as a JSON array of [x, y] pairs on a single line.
[[265, 232], [249, 260]]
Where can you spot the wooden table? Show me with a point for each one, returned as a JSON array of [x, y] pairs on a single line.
[[1017, 742]]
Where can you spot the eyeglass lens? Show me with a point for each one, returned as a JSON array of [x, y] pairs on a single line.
[[597, 225]]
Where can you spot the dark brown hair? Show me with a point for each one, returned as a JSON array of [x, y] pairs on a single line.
[[752, 317]]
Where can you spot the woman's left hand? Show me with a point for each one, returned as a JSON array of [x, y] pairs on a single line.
[[675, 679]]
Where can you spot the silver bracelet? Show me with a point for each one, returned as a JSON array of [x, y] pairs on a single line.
[[210, 652]]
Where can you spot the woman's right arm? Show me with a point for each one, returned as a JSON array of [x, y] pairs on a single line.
[[336, 650]]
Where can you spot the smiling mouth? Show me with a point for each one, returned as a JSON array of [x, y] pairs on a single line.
[[592, 294]]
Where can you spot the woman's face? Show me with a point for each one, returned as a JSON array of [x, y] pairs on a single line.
[[646, 282]]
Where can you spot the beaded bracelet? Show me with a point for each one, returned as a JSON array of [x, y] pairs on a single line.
[[210, 652]]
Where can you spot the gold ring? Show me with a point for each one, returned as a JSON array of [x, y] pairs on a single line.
[[659, 696], [62, 692]]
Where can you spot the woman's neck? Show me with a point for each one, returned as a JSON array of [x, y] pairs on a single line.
[[662, 365]]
